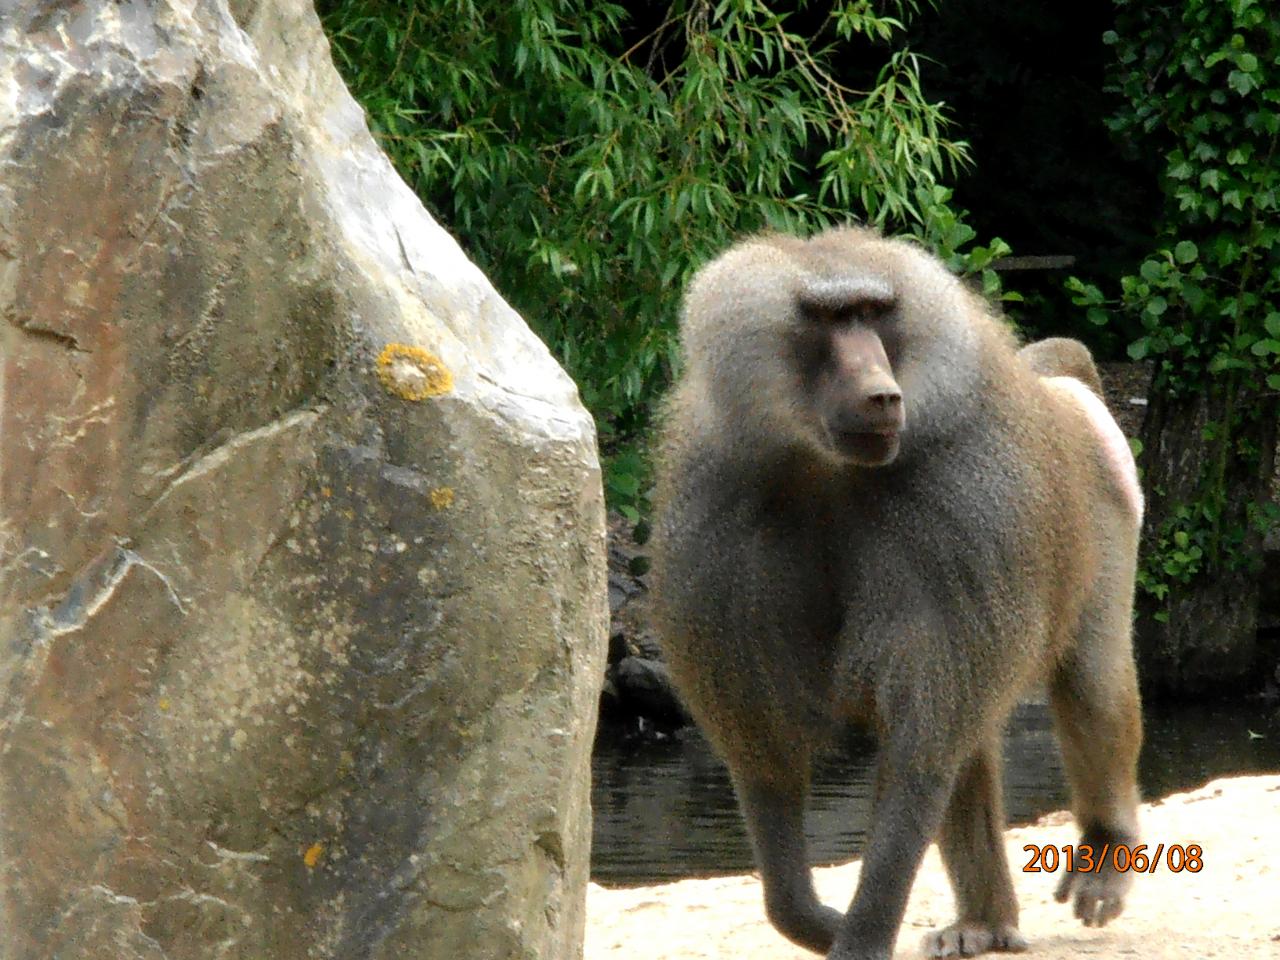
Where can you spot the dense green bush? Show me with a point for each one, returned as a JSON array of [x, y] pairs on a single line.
[[1026, 81], [1202, 85], [590, 156]]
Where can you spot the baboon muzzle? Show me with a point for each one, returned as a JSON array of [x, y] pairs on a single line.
[[865, 415]]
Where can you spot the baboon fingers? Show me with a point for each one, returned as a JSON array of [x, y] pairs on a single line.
[[1062, 893], [1099, 898], [968, 939], [1098, 911]]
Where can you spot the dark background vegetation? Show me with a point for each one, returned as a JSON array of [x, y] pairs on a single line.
[[1027, 83]]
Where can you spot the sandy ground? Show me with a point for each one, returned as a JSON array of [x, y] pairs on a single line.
[[1230, 909]]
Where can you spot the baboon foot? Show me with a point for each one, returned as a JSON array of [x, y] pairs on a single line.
[[1099, 897], [968, 938], [812, 926]]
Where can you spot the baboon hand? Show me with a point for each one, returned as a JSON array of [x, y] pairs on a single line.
[[1099, 897], [970, 938]]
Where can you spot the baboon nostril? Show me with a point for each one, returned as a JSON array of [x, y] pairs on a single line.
[[886, 399]]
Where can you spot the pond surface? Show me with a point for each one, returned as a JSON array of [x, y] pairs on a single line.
[[666, 810]]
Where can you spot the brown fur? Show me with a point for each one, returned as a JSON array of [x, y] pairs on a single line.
[[1063, 357], [798, 590]]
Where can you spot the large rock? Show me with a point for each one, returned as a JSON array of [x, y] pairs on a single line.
[[302, 600]]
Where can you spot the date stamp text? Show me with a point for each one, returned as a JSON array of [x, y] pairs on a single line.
[[1121, 857]]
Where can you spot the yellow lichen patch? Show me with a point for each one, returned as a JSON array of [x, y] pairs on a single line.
[[441, 497], [412, 373], [163, 704], [312, 856]]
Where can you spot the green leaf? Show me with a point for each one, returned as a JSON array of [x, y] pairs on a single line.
[[1272, 324], [1186, 252], [1221, 362], [1194, 297], [1241, 82], [1084, 294]]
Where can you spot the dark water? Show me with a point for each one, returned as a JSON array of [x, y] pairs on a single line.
[[666, 810]]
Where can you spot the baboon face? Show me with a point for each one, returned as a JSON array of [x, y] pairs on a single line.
[[845, 352]]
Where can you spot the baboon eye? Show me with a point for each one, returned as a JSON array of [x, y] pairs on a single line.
[[812, 346], [858, 311], [824, 316], [877, 311]]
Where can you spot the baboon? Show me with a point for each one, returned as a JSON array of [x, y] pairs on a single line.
[[871, 510], [1063, 357]]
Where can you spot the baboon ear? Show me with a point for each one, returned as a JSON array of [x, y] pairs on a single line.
[[841, 299]]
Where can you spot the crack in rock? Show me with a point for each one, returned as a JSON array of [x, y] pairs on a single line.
[[221, 455], [77, 608]]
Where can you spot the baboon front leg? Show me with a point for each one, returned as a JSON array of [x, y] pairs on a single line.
[[972, 846], [1094, 695], [774, 813], [909, 807]]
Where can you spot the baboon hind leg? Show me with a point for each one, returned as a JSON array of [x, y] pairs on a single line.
[[1094, 695], [972, 844], [774, 812]]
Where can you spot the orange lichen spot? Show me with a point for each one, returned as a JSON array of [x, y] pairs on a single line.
[[412, 373], [312, 856], [441, 497], [326, 492]]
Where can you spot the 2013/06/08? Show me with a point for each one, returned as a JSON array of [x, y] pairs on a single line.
[[1122, 858]]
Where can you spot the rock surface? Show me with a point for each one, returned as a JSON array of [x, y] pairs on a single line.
[[1226, 910], [302, 599]]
